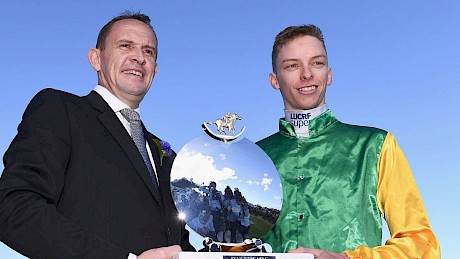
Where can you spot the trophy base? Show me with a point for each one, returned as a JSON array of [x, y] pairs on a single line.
[[231, 255]]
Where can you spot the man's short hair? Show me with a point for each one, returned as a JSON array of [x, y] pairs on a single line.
[[101, 38], [291, 33]]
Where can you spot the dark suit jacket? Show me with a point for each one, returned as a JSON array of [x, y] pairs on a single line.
[[75, 185]]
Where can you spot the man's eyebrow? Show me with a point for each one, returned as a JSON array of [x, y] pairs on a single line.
[[149, 47], [297, 59], [319, 56], [132, 42], [290, 60], [124, 41]]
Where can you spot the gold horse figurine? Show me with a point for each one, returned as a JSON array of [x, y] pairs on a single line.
[[228, 122]]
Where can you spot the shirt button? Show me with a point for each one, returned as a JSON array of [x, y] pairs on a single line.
[[301, 216], [301, 177]]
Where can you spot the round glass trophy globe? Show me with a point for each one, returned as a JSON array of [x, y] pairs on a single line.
[[227, 191]]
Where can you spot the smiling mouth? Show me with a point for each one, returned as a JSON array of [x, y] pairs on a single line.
[[133, 72], [308, 88]]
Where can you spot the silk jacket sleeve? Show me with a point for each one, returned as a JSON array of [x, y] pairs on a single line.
[[402, 207]]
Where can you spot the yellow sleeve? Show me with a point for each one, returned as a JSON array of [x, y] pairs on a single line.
[[403, 209]]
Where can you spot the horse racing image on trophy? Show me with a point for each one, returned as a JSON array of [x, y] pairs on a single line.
[[228, 191]]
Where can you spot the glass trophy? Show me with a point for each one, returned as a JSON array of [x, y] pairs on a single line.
[[228, 191]]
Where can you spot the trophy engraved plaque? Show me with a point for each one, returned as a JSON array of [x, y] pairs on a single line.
[[228, 191]]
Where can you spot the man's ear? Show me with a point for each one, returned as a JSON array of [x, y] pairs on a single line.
[[155, 70], [273, 81], [329, 77], [94, 57]]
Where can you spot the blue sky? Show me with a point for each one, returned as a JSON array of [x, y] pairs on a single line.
[[395, 66]]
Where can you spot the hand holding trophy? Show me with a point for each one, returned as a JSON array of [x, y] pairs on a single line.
[[228, 191]]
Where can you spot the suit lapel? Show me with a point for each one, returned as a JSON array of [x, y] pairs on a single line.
[[111, 122]]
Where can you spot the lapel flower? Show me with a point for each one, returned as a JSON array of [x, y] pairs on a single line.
[[164, 148]]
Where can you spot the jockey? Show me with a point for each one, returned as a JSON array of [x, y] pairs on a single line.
[[227, 118]]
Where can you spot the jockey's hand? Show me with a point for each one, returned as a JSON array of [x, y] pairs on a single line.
[[319, 254]]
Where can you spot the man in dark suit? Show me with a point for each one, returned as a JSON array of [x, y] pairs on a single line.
[[77, 183]]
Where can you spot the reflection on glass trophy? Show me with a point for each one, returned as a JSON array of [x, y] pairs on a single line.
[[228, 191]]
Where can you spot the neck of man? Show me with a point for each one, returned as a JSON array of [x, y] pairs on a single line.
[[300, 119]]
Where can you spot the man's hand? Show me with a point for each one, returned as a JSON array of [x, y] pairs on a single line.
[[319, 254], [160, 253]]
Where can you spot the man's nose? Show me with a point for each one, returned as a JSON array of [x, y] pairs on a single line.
[[306, 73], [138, 56]]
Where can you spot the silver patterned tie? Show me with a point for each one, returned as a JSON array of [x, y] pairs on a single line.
[[137, 134]]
